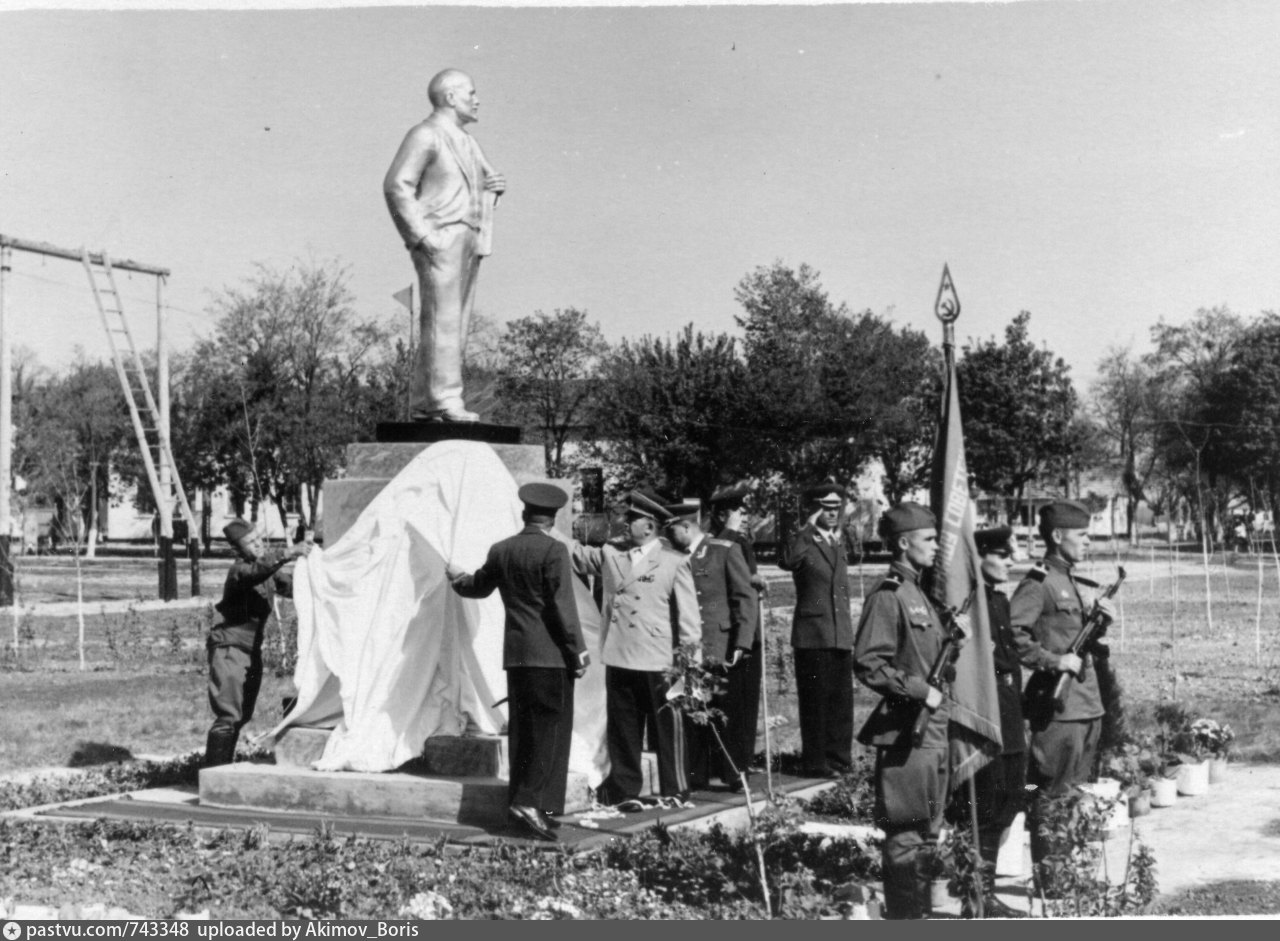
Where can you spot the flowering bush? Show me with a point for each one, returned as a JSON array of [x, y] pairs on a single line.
[[1211, 737]]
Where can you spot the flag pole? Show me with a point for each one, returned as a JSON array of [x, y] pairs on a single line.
[[947, 309]]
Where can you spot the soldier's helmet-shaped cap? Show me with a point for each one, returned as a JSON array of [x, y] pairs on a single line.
[[906, 517], [992, 540], [237, 529], [831, 496], [542, 496], [1064, 514], [683, 512], [640, 503], [731, 496]]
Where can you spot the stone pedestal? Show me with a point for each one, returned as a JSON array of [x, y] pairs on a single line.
[[370, 467]]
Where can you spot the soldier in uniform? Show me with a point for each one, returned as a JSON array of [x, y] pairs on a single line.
[[543, 652], [822, 634], [729, 611], [729, 521], [235, 642], [1047, 612], [899, 637], [650, 608], [1000, 784]]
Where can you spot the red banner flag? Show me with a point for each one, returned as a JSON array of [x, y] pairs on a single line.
[[957, 582]]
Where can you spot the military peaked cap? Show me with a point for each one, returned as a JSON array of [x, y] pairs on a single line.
[[828, 495], [1065, 514], [681, 512], [906, 517], [640, 503], [542, 496], [992, 540], [734, 495], [237, 529]]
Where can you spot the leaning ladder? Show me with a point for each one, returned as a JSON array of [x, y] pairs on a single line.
[[152, 441]]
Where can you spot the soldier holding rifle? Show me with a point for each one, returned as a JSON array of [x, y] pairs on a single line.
[[1047, 612], [900, 637]]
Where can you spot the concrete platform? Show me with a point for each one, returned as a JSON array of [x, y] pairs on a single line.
[[476, 800]]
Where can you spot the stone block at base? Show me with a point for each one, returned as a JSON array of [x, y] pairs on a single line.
[[480, 801], [466, 756]]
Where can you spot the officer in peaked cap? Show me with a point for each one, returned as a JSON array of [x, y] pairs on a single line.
[[235, 642], [543, 653], [900, 636], [650, 608], [822, 633], [1046, 613], [729, 610], [1001, 783]]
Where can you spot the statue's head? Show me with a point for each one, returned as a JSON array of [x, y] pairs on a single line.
[[453, 91]]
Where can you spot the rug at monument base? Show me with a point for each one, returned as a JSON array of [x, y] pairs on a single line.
[[388, 653]]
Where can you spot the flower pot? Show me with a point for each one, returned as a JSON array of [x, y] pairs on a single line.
[[1140, 804], [1193, 779], [1217, 770], [939, 896], [1164, 792]]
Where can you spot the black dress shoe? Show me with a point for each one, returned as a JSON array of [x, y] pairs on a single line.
[[532, 820], [549, 819], [992, 907]]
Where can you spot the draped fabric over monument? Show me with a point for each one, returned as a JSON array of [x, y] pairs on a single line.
[[388, 653]]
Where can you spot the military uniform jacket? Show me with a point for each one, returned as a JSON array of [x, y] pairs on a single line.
[[247, 600], [649, 609], [534, 577], [820, 572], [899, 637], [726, 600], [743, 543], [1047, 612], [1008, 674]]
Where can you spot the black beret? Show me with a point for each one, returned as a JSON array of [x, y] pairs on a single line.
[[906, 517], [1065, 514], [237, 529], [641, 503], [542, 496], [990, 540], [827, 494], [733, 495]]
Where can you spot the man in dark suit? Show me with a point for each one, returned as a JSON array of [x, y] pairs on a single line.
[[729, 521], [822, 634], [1000, 784], [899, 638], [730, 615], [543, 653]]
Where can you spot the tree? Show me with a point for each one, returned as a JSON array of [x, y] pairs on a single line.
[[1018, 404], [290, 377], [668, 413], [550, 373], [1124, 411]]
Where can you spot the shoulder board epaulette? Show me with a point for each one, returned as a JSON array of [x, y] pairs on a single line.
[[1086, 582], [720, 542], [891, 582], [1038, 572]]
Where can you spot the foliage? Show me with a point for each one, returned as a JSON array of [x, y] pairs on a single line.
[[1073, 879], [1018, 402], [549, 376], [1123, 406], [110, 779], [852, 797], [962, 866]]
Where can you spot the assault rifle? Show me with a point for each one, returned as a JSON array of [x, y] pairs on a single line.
[[946, 656], [1090, 630]]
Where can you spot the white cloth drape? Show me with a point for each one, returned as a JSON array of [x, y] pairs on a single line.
[[388, 654]]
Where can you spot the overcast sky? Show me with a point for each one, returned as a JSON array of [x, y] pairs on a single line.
[[1101, 164]]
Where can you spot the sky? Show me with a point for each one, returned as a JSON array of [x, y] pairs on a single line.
[[1103, 165]]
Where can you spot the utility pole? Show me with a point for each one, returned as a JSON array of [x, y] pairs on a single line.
[[168, 564], [6, 436]]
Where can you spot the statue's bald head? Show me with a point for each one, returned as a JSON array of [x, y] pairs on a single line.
[[442, 83]]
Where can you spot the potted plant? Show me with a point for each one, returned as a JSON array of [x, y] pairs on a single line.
[[1218, 738], [1124, 764], [1192, 743]]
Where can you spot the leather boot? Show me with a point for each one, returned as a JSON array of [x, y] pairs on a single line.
[[220, 747], [992, 907]]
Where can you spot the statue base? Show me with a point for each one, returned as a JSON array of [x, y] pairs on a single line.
[[429, 432]]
